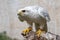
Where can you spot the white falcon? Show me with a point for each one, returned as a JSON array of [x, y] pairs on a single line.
[[34, 14]]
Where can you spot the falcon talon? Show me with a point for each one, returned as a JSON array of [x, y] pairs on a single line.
[[23, 34], [26, 31], [39, 32]]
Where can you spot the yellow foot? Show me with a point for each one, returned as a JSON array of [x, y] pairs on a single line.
[[26, 31], [39, 32]]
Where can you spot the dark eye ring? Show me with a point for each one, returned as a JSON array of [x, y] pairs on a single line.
[[23, 10]]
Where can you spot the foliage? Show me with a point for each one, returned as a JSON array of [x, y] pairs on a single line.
[[4, 36]]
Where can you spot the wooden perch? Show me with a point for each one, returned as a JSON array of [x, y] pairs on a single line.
[[44, 36]]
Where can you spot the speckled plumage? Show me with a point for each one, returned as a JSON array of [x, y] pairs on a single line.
[[35, 14]]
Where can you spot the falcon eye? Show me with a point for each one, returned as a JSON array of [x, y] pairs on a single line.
[[23, 10]]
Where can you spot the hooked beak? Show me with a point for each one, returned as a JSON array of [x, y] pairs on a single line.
[[20, 13]]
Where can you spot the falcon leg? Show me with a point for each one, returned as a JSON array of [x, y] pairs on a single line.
[[26, 31], [39, 31], [44, 28]]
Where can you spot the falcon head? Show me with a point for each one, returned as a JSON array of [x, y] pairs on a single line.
[[22, 12]]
